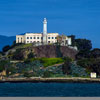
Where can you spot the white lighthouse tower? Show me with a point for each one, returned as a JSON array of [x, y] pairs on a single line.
[[45, 31]]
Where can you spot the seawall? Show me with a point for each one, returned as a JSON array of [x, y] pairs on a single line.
[[49, 80]]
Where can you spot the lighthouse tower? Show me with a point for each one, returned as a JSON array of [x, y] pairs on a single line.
[[45, 31]]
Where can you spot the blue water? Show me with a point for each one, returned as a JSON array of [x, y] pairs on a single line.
[[49, 89]]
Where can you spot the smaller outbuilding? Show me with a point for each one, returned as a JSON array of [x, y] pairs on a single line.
[[93, 75]]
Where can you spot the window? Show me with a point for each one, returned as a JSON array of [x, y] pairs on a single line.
[[41, 37], [30, 41], [66, 41], [27, 41], [34, 37], [21, 40], [55, 37], [52, 37], [30, 37], [48, 37], [37, 41], [27, 37], [37, 37], [18, 40], [48, 41]]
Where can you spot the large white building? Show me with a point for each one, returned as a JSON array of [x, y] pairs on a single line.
[[42, 38]]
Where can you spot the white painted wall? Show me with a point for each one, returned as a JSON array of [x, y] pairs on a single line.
[[45, 31], [20, 38], [93, 75], [69, 41]]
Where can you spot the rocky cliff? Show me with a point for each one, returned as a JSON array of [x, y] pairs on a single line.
[[51, 51]]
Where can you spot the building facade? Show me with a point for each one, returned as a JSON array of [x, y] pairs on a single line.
[[42, 38]]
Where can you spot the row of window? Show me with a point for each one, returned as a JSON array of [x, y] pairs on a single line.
[[39, 42], [34, 37], [41, 37]]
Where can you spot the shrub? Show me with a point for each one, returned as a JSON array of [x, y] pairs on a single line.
[[26, 74], [18, 55], [85, 62], [78, 71], [34, 66], [55, 69], [47, 74], [11, 69], [31, 55], [4, 65], [6, 48]]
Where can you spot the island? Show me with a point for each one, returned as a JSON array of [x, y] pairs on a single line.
[[49, 57]]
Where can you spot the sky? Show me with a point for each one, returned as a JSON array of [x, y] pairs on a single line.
[[70, 17]]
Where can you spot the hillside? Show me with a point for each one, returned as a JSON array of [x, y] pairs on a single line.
[[48, 51], [28, 60]]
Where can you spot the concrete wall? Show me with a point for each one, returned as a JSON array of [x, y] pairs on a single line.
[[20, 38], [33, 37], [38, 38], [52, 37]]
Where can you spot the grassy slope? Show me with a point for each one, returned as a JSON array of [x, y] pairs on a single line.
[[48, 61]]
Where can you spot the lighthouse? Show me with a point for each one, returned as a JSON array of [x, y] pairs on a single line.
[[45, 31]]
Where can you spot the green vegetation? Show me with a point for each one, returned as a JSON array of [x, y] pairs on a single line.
[[82, 44], [31, 55], [4, 64], [18, 55], [6, 48], [51, 61], [91, 64], [26, 74], [47, 74], [26, 45], [67, 66], [87, 61], [46, 61], [78, 71]]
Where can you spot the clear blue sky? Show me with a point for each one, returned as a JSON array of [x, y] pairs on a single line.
[[77, 17]]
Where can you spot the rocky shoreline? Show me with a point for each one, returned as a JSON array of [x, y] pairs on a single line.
[[49, 80]]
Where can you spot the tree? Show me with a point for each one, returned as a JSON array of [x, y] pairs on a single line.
[[6, 48], [91, 64], [84, 47], [83, 54], [73, 39], [83, 44], [4, 64], [66, 66], [95, 53]]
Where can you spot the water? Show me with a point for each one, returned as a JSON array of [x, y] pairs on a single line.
[[49, 90]]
